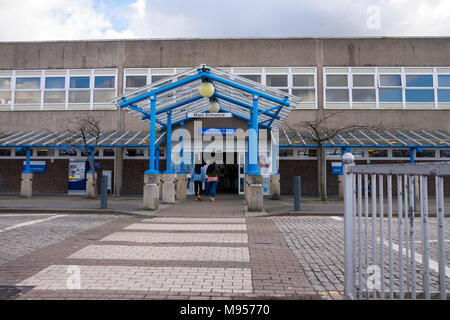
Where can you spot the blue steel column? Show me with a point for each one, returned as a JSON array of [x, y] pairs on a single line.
[[253, 165], [169, 143], [182, 150], [411, 155], [27, 163], [157, 160], [152, 136]]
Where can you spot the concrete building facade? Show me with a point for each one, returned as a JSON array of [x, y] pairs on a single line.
[[401, 82]]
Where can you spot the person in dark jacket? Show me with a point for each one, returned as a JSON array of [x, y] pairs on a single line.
[[199, 176], [213, 178]]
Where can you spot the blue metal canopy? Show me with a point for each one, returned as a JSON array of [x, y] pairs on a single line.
[[179, 94]]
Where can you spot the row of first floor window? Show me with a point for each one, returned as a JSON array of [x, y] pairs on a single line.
[[343, 87], [283, 154]]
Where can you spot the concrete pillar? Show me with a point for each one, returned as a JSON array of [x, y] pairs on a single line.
[[118, 171], [254, 192], [151, 191], [168, 187], [275, 186], [181, 186], [26, 186], [91, 186]]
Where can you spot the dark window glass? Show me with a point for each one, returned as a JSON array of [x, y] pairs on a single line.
[[337, 95], [67, 152], [445, 153], [5, 152], [104, 82], [136, 81], [23, 153], [444, 80], [337, 80], [157, 78], [419, 95], [276, 80], [444, 95], [332, 152], [378, 153], [400, 153], [419, 80], [55, 83], [425, 153], [307, 95], [252, 77], [286, 152], [79, 82], [303, 80], [363, 95], [358, 153], [390, 95], [108, 152], [28, 83], [390, 80], [135, 152], [84, 154], [363, 80], [45, 152]]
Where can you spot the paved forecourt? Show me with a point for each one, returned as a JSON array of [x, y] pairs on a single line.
[[189, 251]]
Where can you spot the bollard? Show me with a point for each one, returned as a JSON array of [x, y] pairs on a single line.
[[104, 192], [297, 196]]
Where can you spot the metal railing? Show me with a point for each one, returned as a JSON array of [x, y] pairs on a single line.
[[394, 249]]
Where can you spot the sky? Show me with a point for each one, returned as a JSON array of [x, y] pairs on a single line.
[[40, 20]]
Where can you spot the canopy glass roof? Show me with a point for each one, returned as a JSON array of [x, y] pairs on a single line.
[[232, 99], [363, 138]]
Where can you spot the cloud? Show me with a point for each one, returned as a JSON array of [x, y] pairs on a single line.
[[107, 19]]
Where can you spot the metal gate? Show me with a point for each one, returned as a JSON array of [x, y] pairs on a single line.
[[394, 231]]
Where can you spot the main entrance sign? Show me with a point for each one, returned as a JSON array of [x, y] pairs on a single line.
[[209, 115], [217, 131]]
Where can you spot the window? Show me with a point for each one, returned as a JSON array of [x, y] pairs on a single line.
[[45, 152], [79, 95], [108, 152], [32, 95], [306, 153], [67, 152], [363, 88], [136, 81], [135, 152], [444, 153], [358, 153], [383, 153], [286, 152], [425, 153], [252, 77], [55, 90], [400, 153], [104, 88], [390, 88], [23, 152], [303, 86], [390, 95], [332, 152], [390, 80], [419, 95], [443, 82], [363, 80], [337, 95], [276, 80], [5, 152], [5, 90]]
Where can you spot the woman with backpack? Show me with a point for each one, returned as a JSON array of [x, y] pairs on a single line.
[[199, 176], [213, 178]]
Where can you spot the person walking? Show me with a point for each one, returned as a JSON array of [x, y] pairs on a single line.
[[213, 178], [198, 177], [205, 168]]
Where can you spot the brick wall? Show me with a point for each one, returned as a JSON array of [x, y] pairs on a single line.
[[133, 175]]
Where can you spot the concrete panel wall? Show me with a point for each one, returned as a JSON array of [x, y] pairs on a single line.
[[317, 52]]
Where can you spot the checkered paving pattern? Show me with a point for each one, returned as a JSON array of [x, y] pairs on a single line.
[[197, 253], [160, 237], [187, 227], [196, 220], [188, 251], [172, 279]]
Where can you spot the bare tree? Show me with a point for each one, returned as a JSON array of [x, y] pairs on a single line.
[[322, 132], [86, 131]]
